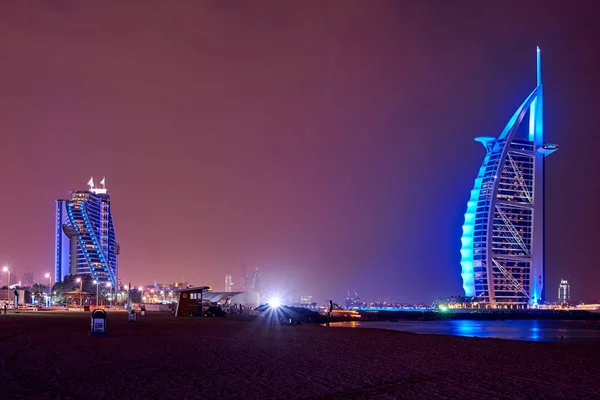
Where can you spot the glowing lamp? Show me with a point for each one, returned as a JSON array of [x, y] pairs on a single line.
[[275, 302]]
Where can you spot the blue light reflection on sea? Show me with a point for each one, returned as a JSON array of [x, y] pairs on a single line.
[[532, 330]]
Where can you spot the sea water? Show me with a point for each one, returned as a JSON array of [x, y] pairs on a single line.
[[533, 330]]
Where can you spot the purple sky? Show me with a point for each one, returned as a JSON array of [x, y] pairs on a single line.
[[330, 143]]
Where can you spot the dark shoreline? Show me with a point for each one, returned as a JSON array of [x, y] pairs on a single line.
[[306, 315], [478, 315]]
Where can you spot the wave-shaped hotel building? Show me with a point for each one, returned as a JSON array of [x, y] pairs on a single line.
[[502, 253], [85, 236]]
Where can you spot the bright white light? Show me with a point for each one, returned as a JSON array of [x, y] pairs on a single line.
[[5, 269], [275, 302], [108, 284], [78, 280], [47, 275], [95, 282]]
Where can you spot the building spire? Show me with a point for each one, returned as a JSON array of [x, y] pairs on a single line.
[[91, 182], [539, 66], [536, 111]]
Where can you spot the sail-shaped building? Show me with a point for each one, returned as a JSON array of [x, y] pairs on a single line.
[[85, 236], [502, 253]]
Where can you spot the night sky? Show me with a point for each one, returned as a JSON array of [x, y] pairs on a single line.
[[330, 143]]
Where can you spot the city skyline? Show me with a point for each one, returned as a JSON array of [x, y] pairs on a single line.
[[331, 145]]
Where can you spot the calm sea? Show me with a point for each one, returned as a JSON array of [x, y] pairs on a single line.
[[533, 330]]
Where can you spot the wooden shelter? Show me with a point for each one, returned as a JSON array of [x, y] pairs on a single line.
[[189, 301], [76, 294]]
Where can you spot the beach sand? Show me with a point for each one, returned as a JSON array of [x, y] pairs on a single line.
[[51, 356]]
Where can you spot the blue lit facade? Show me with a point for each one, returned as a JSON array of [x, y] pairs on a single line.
[[85, 237], [502, 253]]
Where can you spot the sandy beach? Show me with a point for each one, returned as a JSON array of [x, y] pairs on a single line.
[[51, 356]]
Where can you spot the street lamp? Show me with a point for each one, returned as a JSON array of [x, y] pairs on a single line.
[[126, 293], [7, 270], [96, 283], [109, 286], [78, 280], [49, 286]]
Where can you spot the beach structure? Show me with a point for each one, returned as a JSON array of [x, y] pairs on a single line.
[[502, 253], [85, 236], [76, 297], [191, 300]]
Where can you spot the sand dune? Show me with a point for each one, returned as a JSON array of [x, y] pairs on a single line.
[[50, 356]]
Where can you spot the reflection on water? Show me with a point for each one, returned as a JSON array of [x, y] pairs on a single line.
[[534, 330]]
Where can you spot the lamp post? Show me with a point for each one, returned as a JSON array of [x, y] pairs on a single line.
[[96, 283], [109, 286], [78, 280], [49, 277], [7, 270]]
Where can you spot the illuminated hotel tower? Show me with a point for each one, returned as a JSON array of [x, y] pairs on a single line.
[[85, 236], [503, 234]]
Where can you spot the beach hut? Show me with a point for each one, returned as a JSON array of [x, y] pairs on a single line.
[[76, 294], [189, 301]]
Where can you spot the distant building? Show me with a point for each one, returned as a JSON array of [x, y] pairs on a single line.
[[564, 292], [85, 236], [502, 253], [256, 285], [27, 279], [228, 283], [352, 300], [244, 281], [306, 300]]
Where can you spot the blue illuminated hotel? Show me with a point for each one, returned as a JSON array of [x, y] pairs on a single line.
[[503, 234], [85, 236]]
